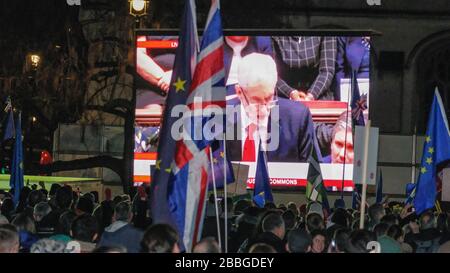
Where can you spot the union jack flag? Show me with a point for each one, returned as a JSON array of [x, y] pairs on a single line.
[[191, 165], [359, 103]]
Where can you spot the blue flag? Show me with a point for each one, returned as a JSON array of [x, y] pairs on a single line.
[[436, 150], [8, 125], [358, 103], [410, 190], [220, 164], [379, 196], [16, 179], [183, 69], [262, 192]]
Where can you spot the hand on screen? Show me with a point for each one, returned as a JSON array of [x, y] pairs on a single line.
[[309, 97], [164, 81], [297, 95]]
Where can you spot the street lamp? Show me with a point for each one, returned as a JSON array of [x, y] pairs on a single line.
[[33, 61], [138, 8]]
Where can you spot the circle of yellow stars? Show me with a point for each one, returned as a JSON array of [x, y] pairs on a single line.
[[429, 158]]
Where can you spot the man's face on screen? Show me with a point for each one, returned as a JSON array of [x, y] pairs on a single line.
[[338, 152], [257, 102]]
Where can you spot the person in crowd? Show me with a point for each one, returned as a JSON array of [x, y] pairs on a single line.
[[34, 198], [160, 238], [314, 221], [270, 206], [110, 249], [85, 205], [121, 232], [27, 231], [141, 218], [289, 220], [9, 239], [23, 199], [7, 208], [262, 248], [338, 220], [298, 241], [339, 241], [241, 206], [63, 227], [307, 66], [380, 229], [390, 219], [425, 237], [63, 200], [293, 207], [443, 224], [293, 138], [274, 230], [397, 233], [318, 241], [359, 240], [207, 245], [52, 195], [245, 224], [44, 220], [376, 212], [84, 230]]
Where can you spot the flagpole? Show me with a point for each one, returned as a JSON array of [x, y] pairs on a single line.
[[364, 175], [225, 167], [349, 93], [413, 156], [215, 198]]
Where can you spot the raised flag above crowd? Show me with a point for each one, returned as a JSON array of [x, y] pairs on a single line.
[[436, 150]]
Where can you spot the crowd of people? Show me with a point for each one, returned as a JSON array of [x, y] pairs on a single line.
[[63, 220]]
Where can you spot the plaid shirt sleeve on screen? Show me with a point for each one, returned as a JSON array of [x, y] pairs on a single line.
[[326, 67]]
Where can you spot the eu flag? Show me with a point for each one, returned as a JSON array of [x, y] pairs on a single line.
[[262, 192], [220, 164], [436, 150], [183, 69], [16, 179], [8, 124]]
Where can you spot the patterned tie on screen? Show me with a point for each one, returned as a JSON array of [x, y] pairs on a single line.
[[249, 144]]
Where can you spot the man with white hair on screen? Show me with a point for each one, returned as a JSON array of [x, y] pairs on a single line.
[[284, 126]]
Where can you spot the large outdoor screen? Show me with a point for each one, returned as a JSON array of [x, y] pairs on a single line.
[[315, 80]]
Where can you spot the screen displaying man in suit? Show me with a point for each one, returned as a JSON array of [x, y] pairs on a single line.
[[285, 127]]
